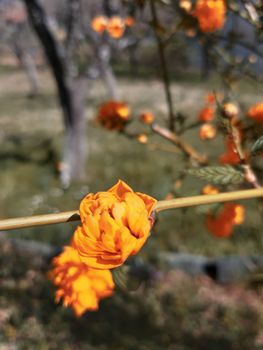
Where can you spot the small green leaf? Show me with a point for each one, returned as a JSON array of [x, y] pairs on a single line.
[[219, 175], [257, 148]]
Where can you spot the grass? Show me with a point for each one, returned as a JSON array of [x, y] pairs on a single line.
[[173, 314]]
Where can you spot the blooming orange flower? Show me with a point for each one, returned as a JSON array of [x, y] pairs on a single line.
[[230, 156], [115, 225], [206, 114], [129, 21], [210, 189], [116, 27], [256, 112], [207, 131], [210, 14], [99, 24], [113, 115], [80, 286], [147, 118], [223, 225]]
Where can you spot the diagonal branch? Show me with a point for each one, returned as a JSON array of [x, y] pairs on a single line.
[[188, 150]]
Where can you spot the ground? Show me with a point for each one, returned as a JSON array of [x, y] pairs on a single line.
[[174, 311]]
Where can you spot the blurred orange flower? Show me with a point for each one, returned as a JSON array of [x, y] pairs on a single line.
[[115, 225], [113, 115], [185, 5], [99, 24], [207, 131], [210, 98], [142, 138], [147, 117], [129, 21], [230, 110], [206, 114], [116, 27], [223, 225], [230, 156], [80, 286], [210, 14], [256, 112], [210, 189]]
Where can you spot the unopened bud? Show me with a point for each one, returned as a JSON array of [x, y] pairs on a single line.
[[230, 110]]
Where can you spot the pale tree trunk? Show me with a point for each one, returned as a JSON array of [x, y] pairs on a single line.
[[71, 92], [25, 59], [29, 66], [76, 145], [103, 56]]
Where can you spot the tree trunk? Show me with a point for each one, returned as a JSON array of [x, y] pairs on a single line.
[[71, 93], [28, 64], [76, 146], [106, 72], [39, 22]]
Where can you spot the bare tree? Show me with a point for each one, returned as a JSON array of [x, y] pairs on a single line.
[[73, 82]]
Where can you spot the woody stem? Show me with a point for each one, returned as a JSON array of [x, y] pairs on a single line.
[[187, 149], [40, 220], [165, 73], [250, 176], [208, 199]]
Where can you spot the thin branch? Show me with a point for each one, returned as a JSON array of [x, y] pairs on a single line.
[[40, 220], [188, 150], [250, 176], [164, 68], [251, 47]]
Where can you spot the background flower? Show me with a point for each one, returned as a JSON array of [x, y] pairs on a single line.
[[78, 285]]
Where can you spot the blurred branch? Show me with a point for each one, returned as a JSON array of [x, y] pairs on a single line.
[[166, 79], [72, 21], [188, 150], [244, 44], [250, 176]]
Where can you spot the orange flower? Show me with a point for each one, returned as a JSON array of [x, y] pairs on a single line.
[[207, 131], [115, 225], [114, 115], [210, 189], [206, 114], [185, 5], [80, 286], [147, 118], [116, 27], [223, 225], [210, 14], [256, 112], [99, 24], [210, 98], [230, 110], [169, 196], [230, 156], [129, 21], [142, 138]]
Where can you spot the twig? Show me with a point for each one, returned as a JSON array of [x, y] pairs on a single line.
[[250, 176], [40, 220], [166, 80], [187, 149]]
